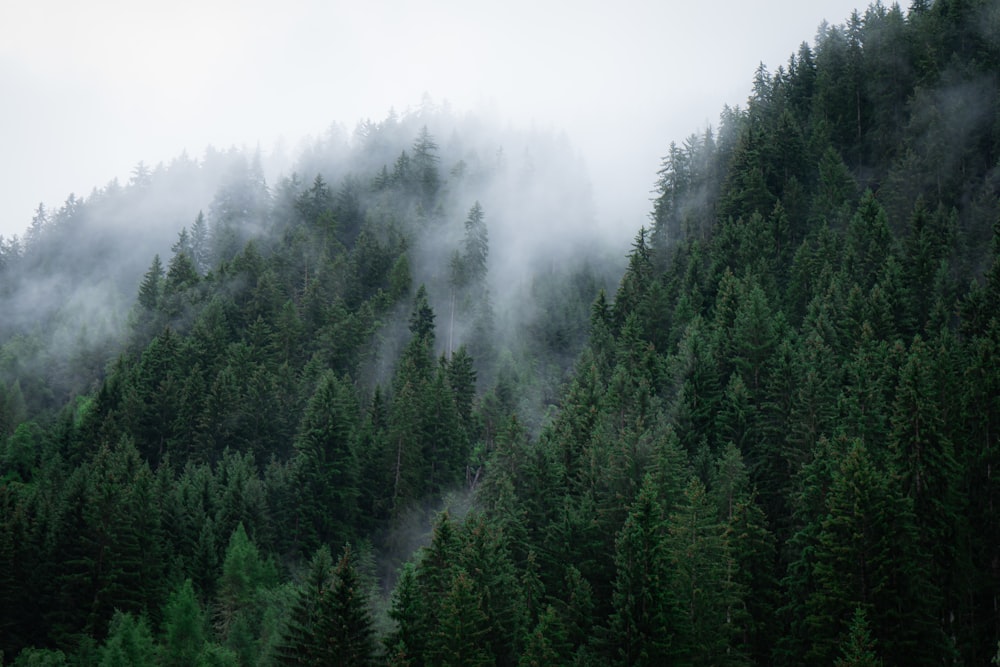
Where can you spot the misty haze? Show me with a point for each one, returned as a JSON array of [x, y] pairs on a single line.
[[544, 381]]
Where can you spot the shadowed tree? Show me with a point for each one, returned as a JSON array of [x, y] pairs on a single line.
[[326, 463]]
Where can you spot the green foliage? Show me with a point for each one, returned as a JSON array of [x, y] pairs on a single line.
[[129, 643], [184, 627], [38, 657], [646, 615], [326, 463], [239, 607], [777, 443], [703, 581], [330, 623], [462, 626], [542, 646], [859, 649], [345, 623]]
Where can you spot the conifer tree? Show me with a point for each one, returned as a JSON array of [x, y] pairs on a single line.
[[199, 244], [184, 627], [151, 288], [237, 611], [461, 377], [129, 643], [703, 581], [644, 627], [343, 632], [418, 605], [424, 164], [475, 246], [637, 279], [459, 638], [508, 595], [327, 463], [543, 644], [147, 318], [404, 644], [859, 649], [869, 241], [866, 555], [753, 552]]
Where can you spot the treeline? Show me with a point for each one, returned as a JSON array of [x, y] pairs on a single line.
[[779, 444], [776, 446], [283, 387]]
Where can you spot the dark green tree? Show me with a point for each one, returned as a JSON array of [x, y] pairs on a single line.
[[859, 649], [459, 637], [866, 554], [343, 630], [326, 463], [703, 581], [645, 624], [129, 643], [184, 630], [151, 287]]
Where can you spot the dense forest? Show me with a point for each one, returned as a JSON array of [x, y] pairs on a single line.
[[408, 406]]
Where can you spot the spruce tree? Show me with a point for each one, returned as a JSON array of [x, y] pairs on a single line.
[[129, 643], [703, 581], [645, 623], [343, 630], [459, 637], [326, 463], [859, 648], [183, 627]]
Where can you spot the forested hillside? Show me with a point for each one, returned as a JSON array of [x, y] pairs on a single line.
[[407, 407]]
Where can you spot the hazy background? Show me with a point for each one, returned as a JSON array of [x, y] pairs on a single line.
[[89, 89]]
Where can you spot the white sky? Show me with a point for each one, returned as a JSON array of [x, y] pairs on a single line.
[[89, 89]]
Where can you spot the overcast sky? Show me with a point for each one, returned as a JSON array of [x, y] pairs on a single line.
[[89, 89]]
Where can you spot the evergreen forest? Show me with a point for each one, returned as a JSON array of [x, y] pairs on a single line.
[[411, 405]]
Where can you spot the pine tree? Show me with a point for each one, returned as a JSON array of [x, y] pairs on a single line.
[[459, 637], [869, 241], [326, 462], [404, 645], [184, 627], [645, 623], [753, 552], [475, 246], [151, 288], [859, 649], [866, 555], [636, 282], [703, 581], [129, 643], [146, 317], [422, 319], [507, 594], [199, 244], [544, 643], [923, 452], [924, 456], [416, 617], [461, 377], [343, 630], [425, 165], [574, 606], [244, 573]]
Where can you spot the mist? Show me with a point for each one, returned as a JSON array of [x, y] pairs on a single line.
[[544, 234], [91, 91], [551, 121]]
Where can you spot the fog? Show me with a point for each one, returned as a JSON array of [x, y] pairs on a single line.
[[92, 89]]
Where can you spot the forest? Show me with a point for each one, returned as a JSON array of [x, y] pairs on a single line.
[[410, 405]]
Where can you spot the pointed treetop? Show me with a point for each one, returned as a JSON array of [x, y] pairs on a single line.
[[422, 316]]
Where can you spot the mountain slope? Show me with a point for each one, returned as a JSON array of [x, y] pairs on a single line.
[[773, 444]]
